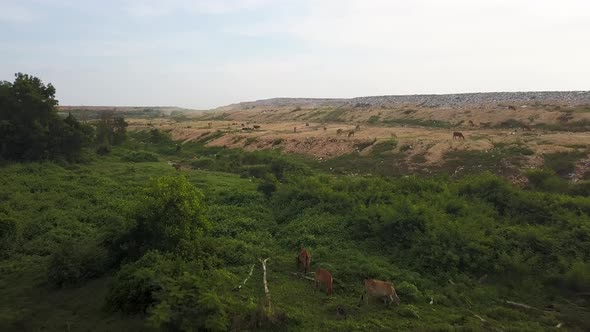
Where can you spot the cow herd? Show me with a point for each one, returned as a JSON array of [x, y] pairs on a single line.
[[372, 287]]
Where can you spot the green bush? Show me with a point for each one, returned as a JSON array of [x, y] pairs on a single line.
[[133, 288], [140, 156], [203, 163], [563, 163], [577, 277], [408, 311], [8, 235], [74, 263], [268, 186], [188, 303], [373, 119], [103, 149], [169, 217], [175, 294], [385, 146], [408, 292]]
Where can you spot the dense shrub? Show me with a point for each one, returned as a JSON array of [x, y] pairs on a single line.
[[175, 294], [8, 234], [140, 156], [133, 289], [74, 263], [169, 217], [31, 129], [578, 277], [408, 292]]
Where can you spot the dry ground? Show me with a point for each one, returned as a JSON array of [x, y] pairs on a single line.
[[430, 144]]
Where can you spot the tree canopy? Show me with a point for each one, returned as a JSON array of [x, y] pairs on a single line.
[[30, 127]]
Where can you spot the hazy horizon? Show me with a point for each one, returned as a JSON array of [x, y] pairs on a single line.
[[205, 54]]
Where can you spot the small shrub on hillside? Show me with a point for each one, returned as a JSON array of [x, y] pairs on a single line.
[[103, 149], [408, 311], [169, 217], [177, 295], [132, 290], [72, 264], [140, 156], [547, 180], [408, 292], [268, 186], [202, 163], [374, 119], [8, 234], [187, 303], [563, 163], [578, 277], [250, 141]]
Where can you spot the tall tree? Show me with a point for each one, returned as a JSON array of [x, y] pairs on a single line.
[[30, 127]]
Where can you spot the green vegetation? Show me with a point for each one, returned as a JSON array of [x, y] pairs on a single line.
[[31, 129], [574, 126], [418, 122], [374, 119], [119, 245], [563, 163], [336, 115], [385, 146]]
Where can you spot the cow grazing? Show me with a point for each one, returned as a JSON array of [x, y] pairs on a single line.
[[324, 277], [351, 133], [458, 135], [378, 288], [471, 123], [339, 132], [358, 127], [304, 260], [512, 108], [256, 127], [526, 127]]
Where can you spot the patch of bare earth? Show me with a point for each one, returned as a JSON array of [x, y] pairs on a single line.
[[321, 140]]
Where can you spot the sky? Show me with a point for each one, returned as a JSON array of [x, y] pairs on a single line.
[[208, 53]]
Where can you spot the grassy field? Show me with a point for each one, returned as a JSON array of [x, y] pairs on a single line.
[[457, 250]]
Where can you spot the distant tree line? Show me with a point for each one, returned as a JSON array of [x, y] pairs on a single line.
[[31, 128]]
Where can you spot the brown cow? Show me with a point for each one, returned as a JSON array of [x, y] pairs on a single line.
[[304, 259], [339, 132], [209, 124], [307, 124], [351, 133], [358, 127], [294, 129], [325, 128], [526, 127], [513, 108], [378, 288], [458, 135], [471, 123], [324, 277], [256, 127], [176, 166]]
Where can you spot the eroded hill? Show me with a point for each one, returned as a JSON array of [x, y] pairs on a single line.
[[507, 133]]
